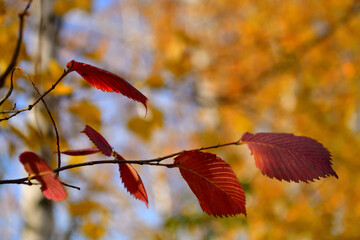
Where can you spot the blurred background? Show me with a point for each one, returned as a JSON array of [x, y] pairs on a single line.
[[211, 70]]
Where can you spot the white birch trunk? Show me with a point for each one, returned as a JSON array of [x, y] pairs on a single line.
[[37, 210]]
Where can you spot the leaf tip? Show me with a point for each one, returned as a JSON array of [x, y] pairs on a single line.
[[145, 105], [132, 181], [106, 81]]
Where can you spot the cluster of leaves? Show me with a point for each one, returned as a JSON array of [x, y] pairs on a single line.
[[278, 155], [226, 67]]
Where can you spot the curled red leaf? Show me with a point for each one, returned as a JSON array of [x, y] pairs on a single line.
[[51, 187], [99, 141], [213, 182], [287, 157], [132, 181], [81, 152], [107, 81]]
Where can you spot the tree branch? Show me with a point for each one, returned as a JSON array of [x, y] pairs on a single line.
[[28, 108], [50, 115], [11, 88], [151, 162], [17, 47]]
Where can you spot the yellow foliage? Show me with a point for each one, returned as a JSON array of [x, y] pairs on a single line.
[[55, 71], [274, 66], [93, 230], [87, 112], [30, 136], [145, 127], [63, 6], [2, 8], [83, 208], [93, 217], [54, 68], [76, 160], [155, 81]]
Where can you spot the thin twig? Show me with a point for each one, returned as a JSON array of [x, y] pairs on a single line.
[[71, 186], [16, 181], [55, 128], [199, 149], [28, 108], [50, 115], [113, 161], [152, 162], [17, 47], [11, 88]]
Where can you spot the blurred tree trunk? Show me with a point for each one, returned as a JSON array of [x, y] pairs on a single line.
[[37, 210]]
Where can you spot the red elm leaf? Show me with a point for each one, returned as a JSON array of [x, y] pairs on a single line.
[[99, 141], [213, 182], [81, 152], [107, 81], [132, 181], [287, 157], [51, 187]]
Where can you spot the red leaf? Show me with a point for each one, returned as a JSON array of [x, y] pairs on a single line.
[[81, 152], [289, 157], [213, 182], [132, 181], [51, 187], [99, 141], [107, 81]]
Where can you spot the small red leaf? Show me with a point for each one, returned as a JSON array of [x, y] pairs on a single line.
[[132, 181], [213, 182], [289, 157], [81, 152], [51, 187], [99, 141], [107, 81]]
